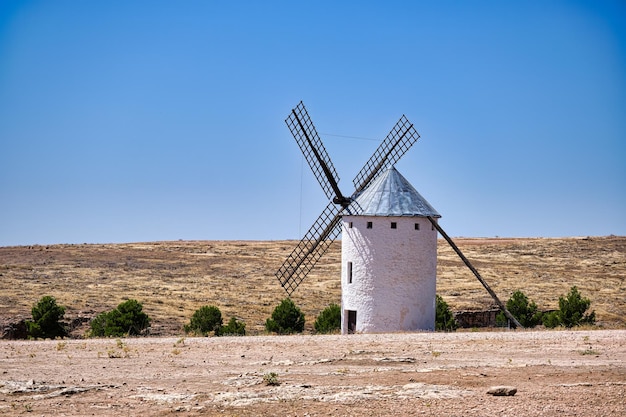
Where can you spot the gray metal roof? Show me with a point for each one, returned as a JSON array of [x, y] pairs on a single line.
[[390, 194]]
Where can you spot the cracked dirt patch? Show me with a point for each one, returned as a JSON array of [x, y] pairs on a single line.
[[385, 374], [41, 390], [339, 394]]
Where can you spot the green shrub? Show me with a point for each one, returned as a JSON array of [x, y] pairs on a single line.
[[46, 316], [444, 319], [286, 319], [127, 319], [522, 309], [271, 378], [205, 320], [233, 328], [551, 319], [571, 311], [329, 320]]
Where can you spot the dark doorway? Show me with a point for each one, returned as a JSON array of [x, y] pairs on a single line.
[[351, 321]]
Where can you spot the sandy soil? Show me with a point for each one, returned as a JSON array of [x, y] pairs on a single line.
[[573, 373]]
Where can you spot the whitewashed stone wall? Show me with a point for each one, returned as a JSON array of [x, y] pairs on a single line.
[[393, 274]]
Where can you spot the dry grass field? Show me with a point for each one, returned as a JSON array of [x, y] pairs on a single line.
[[173, 279]]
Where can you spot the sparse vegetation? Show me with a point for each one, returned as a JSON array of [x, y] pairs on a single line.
[[205, 320], [208, 319], [329, 320], [233, 328], [271, 378], [46, 319], [127, 319], [551, 319], [286, 318], [573, 308], [524, 310], [571, 312], [120, 350], [444, 319]]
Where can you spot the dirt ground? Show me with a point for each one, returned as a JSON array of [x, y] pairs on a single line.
[[570, 373]]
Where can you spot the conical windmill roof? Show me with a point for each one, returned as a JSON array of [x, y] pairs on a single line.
[[390, 194]]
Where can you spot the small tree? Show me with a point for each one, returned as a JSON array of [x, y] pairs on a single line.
[[286, 319], [127, 319], [46, 319], [551, 319], [522, 309], [329, 320], [233, 328], [444, 319], [571, 311], [205, 320]]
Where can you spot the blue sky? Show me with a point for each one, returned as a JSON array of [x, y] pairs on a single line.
[[146, 120]]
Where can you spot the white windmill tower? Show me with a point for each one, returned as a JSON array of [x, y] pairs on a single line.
[[388, 259], [375, 302]]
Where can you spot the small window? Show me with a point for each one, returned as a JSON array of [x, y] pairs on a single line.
[[369, 225], [349, 225], [394, 225], [417, 226], [349, 272]]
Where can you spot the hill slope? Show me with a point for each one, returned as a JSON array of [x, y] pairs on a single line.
[[173, 279]]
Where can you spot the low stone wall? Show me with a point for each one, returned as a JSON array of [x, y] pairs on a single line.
[[483, 318], [13, 328], [469, 319]]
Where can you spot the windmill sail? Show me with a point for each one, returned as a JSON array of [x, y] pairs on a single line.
[[398, 141], [328, 226], [313, 149], [310, 249]]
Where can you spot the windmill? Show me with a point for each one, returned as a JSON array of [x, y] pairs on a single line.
[[327, 227]]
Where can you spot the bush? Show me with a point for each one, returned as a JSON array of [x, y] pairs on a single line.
[[329, 320], [233, 328], [571, 311], [46, 316], [286, 319], [127, 319], [205, 320], [444, 319], [522, 309], [551, 319], [271, 378]]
